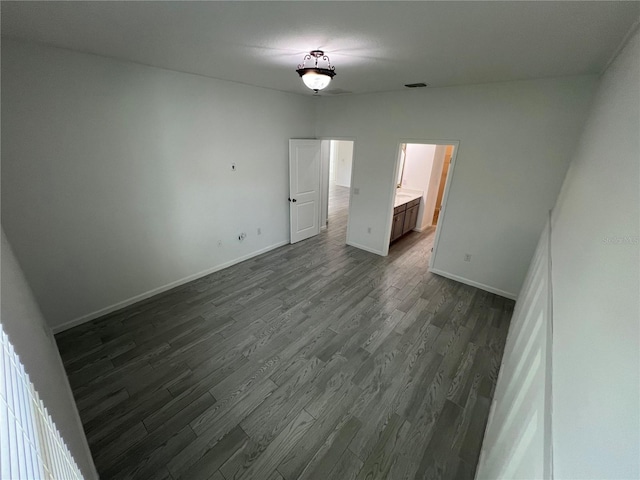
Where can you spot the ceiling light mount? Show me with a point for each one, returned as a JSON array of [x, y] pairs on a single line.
[[316, 78]]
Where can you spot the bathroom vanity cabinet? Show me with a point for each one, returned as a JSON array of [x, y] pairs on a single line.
[[405, 218]]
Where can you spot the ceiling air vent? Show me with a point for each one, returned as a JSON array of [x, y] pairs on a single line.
[[416, 85]]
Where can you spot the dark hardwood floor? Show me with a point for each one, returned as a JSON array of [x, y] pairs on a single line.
[[315, 360]]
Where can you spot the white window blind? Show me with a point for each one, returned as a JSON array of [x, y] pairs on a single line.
[[30, 445]]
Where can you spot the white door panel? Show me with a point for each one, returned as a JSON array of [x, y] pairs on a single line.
[[306, 213], [304, 188]]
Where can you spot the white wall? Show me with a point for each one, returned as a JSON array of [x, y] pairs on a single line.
[[431, 195], [342, 157], [34, 343], [418, 166], [117, 181], [596, 285], [516, 140]]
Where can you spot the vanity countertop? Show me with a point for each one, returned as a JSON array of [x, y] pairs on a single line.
[[404, 195]]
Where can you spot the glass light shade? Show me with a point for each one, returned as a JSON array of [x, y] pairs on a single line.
[[316, 81]]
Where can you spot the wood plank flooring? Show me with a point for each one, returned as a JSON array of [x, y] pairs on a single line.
[[313, 361]]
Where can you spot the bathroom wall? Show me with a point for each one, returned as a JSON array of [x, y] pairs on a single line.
[[431, 195], [418, 166]]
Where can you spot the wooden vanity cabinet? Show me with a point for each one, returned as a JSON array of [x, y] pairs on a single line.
[[410, 219], [396, 228], [405, 218]]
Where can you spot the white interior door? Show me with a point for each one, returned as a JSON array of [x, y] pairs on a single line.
[[517, 441], [304, 188]]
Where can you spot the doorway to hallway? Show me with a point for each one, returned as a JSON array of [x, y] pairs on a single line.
[[338, 176]]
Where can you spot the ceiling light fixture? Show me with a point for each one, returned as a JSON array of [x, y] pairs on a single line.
[[316, 78]]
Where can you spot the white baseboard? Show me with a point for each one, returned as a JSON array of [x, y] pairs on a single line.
[[481, 286], [143, 296], [367, 249]]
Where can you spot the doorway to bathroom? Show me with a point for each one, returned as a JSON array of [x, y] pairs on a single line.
[[421, 184]]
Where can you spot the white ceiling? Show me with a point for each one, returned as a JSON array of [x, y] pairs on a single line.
[[375, 46]]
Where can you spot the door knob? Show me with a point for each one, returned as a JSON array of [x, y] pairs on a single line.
[[292, 200]]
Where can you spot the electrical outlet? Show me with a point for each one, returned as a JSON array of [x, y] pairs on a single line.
[[259, 231], [467, 257]]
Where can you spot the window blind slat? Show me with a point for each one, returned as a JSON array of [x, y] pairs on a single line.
[[33, 458], [33, 439], [42, 452], [50, 446], [22, 469], [36, 431], [48, 452], [68, 466], [4, 410], [13, 398], [57, 470], [23, 443], [31, 446], [63, 460], [58, 449]]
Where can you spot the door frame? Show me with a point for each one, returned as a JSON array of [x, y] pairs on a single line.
[[353, 168], [445, 195]]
